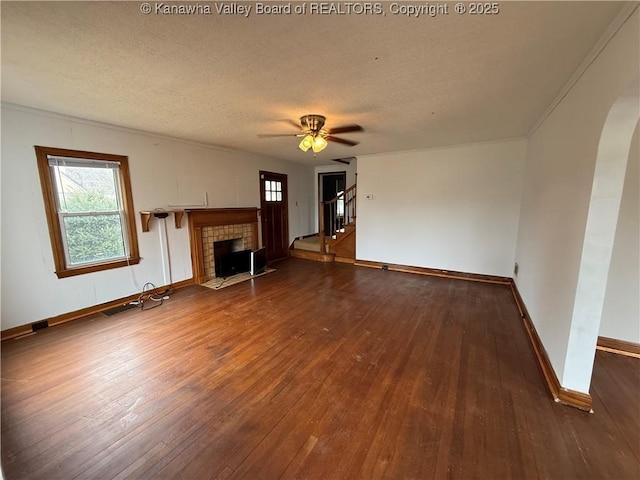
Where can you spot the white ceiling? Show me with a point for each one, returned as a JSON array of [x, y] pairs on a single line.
[[223, 79]]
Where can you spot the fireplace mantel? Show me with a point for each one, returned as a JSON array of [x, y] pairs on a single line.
[[213, 217]]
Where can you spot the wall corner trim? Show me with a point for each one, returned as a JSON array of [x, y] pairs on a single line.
[[559, 394]]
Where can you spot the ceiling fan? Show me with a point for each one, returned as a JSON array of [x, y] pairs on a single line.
[[315, 136]]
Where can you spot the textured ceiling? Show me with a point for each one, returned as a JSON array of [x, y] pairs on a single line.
[[223, 79]]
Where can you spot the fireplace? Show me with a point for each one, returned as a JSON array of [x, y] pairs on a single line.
[[212, 225], [230, 257]]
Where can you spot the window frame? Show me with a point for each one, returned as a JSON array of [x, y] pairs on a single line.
[[47, 182]]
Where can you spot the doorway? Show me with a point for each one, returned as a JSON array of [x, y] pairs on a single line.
[[330, 184], [275, 217]]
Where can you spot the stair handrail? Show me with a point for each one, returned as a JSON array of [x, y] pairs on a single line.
[[348, 199]]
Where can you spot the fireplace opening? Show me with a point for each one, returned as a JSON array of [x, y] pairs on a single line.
[[231, 258]]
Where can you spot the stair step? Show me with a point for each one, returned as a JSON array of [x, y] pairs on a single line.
[[341, 236], [310, 244], [317, 256]]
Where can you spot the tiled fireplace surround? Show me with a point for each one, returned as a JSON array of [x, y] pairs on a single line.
[[213, 224]]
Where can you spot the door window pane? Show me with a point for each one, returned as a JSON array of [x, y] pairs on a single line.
[[273, 191]]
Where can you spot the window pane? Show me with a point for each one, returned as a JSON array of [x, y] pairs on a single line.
[[82, 189], [93, 238], [278, 186], [267, 185], [268, 196], [279, 196]]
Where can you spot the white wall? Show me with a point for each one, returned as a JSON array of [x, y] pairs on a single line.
[[621, 312], [453, 208], [163, 171], [559, 173]]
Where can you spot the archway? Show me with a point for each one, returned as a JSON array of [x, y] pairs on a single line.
[[604, 206]]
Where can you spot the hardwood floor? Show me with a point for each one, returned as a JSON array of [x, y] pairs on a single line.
[[318, 371]]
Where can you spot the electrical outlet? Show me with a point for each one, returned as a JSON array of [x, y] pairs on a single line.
[[369, 196]]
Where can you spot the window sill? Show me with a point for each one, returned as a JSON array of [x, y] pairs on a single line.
[[71, 272]]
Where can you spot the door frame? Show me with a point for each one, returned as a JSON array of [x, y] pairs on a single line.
[[320, 199]]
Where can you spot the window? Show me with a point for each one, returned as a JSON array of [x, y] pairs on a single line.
[[273, 191], [87, 198]]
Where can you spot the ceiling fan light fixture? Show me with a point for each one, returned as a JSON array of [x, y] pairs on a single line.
[[315, 136], [306, 143], [319, 144]]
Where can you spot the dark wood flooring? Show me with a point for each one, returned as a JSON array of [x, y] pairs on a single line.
[[315, 371]]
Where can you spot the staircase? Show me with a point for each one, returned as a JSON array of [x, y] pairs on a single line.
[[343, 243], [336, 241]]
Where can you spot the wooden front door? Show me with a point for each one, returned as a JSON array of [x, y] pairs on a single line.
[[275, 218]]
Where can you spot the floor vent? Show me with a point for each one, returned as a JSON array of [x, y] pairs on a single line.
[[39, 325], [120, 308]]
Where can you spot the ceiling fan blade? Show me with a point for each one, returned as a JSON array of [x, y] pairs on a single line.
[[341, 140], [345, 129], [293, 122], [346, 161], [269, 135]]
